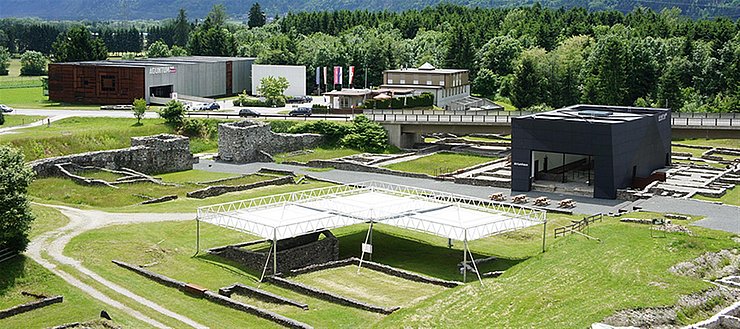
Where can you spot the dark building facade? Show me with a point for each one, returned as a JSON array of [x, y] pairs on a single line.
[[604, 147], [120, 82]]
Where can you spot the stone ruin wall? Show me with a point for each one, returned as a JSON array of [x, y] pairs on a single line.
[[253, 141], [149, 154]]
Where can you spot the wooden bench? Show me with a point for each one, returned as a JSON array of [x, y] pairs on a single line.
[[521, 198], [499, 196], [542, 201], [567, 203]]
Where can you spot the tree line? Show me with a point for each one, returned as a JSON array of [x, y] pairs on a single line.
[[533, 57]]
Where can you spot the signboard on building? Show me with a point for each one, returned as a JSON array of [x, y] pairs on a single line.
[[162, 70]]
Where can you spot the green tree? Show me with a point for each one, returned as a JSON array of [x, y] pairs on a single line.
[[181, 29], [499, 55], [273, 89], [366, 135], [139, 109], [158, 49], [4, 60], [178, 51], [212, 38], [15, 210], [78, 45], [257, 17], [606, 72], [525, 86], [173, 113], [669, 85], [486, 83], [33, 63]]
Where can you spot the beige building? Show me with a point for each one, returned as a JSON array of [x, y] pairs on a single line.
[[451, 87]]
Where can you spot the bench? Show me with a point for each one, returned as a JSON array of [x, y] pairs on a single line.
[[521, 198], [567, 203], [542, 201], [499, 196]]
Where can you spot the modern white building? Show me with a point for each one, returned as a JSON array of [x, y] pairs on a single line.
[[295, 74]]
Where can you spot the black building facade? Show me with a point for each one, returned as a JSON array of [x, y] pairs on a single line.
[[603, 147]]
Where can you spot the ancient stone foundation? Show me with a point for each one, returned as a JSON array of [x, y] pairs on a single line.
[[150, 154], [252, 141], [292, 253]]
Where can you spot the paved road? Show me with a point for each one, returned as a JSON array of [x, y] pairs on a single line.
[[53, 243], [718, 217], [584, 205]]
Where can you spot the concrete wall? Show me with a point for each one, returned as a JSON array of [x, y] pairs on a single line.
[[247, 141], [150, 154], [242, 75], [296, 76]]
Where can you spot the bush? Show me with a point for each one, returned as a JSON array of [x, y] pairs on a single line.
[[33, 63], [4, 60], [366, 135], [245, 100], [173, 113], [15, 211], [192, 128], [332, 131], [2, 118], [282, 126]]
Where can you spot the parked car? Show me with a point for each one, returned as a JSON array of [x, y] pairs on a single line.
[[304, 111], [248, 113], [5, 108], [299, 100], [213, 106]]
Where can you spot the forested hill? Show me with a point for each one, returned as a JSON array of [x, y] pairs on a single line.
[[158, 9]]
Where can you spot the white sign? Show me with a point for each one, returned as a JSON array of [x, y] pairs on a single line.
[[521, 164], [662, 117], [162, 70], [367, 248]]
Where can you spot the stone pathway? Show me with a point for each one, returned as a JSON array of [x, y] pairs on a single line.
[[717, 216], [53, 244]]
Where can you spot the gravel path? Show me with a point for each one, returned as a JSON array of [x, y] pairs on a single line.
[[53, 243]]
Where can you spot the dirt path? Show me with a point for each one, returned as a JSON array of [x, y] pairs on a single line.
[[53, 243]]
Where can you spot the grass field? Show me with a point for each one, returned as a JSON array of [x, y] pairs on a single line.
[[696, 153], [12, 120], [320, 153], [732, 197], [714, 142], [439, 163], [63, 191], [33, 98], [575, 283], [14, 78], [66, 191]]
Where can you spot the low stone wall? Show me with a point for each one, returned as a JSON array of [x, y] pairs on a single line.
[[292, 253], [330, 297], [160, 199], [216, 298], [250, 141], [260, 294], [151, 154], [216, 190], [30, 306]]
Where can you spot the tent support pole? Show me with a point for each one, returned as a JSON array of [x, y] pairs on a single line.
[[368, 236], [267, 261], [274, 252], [465, 258], [370, 256], [544, 235], [197, 237], [475, 266]]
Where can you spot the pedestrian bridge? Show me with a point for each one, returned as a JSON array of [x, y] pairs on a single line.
[[405, 127]]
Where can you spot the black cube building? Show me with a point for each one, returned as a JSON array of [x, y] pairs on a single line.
[[604, 147]]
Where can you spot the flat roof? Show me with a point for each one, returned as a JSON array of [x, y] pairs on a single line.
[[349, 92], [162, 61], [386, 86], [597, 114], [425, 71], [443, 214]]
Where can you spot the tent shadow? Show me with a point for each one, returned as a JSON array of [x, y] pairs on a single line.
[[417, 256]]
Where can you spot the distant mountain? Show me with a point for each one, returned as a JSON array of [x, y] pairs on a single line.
[[158, 9]]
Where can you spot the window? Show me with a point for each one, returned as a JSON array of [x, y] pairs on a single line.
[[402, 81], [107, 83], [429, 82], [390, 81], [442, 82], [416, 82]]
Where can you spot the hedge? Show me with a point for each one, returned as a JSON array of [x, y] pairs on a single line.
[[423, 100]]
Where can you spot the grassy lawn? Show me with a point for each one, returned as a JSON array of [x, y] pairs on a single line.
[[34, 98], [575, 283], [732, 197], [370, 286], [694, 152], [66, 191], [47, 219], [126, 198], [14, 80], [714, 142], [320, 153], [439, 163], [12, 120]]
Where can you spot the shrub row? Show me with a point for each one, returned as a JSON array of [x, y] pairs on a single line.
[[362, 134]]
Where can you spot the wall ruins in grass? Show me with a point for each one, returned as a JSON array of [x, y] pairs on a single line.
[[253, 141]]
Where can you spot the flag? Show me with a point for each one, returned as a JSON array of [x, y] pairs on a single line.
[[325, 75], [351, 75], [337, 75], [318, 76], [340, 76]]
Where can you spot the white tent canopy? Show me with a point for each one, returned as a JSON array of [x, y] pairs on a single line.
[[444, 214]]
